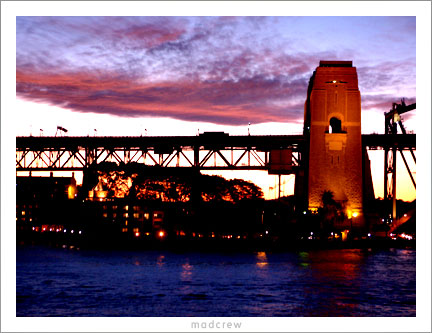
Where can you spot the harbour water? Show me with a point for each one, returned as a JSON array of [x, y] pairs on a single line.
[[57, 281]]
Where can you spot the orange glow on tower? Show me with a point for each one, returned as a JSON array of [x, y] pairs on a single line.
[[333, 121]]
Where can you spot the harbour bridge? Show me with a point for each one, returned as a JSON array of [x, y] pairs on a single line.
[[280, 154], [277, 154]]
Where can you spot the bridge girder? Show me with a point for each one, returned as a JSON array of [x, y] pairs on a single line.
[[218, 152], [203, 153]]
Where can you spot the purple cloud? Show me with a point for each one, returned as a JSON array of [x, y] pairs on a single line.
[[217, 69]]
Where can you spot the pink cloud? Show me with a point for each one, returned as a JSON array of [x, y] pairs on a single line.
[[224, 102]]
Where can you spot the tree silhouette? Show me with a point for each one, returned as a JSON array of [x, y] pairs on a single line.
[[241, 189], [168, 188], [164, 188], [331, 211], [328, 198]]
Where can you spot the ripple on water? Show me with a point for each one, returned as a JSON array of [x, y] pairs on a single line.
[[335, 283]]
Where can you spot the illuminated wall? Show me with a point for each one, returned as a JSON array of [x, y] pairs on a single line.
[[333, 119]]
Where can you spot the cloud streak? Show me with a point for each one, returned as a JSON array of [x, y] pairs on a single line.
[[225, 102]]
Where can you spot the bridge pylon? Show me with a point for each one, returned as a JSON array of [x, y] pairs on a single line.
[[333, 127]]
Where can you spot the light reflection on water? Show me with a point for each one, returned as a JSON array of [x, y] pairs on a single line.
[[186, 273], [160, 259], [261, 259], [336, 276], [62, 282]]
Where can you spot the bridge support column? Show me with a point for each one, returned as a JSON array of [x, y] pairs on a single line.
[[333, 122], [390, 185]]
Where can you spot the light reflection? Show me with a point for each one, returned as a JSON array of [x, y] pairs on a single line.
[[304, 259], [336, 265], [333, 270], [303, 255], [160, 259], [262, 259], [186, 272]]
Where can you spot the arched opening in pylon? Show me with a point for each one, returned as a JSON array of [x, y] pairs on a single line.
[[335, 125]]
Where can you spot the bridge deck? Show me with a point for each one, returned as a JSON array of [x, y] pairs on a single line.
[[220, 141]]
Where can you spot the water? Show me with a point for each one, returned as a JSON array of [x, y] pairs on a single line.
[[65, 282]]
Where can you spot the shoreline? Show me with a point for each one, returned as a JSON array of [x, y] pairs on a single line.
[[216, 245]]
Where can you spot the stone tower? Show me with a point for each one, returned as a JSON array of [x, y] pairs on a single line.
[[333, 125]]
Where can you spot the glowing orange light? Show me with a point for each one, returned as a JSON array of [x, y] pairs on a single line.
[[101, 194], [161, 234], [71, 192], [137, 234]]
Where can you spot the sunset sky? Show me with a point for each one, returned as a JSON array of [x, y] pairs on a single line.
[[204, 70], [180, 75]]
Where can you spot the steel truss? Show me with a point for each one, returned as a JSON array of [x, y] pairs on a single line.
[[205, 152], [392, 120], [202, 152]]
